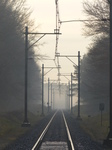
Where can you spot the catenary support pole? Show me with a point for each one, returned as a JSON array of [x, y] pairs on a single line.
[[110, 133], [69, 93], [42, 89], [108, 141], [53, 99], [48, 95], [51, 95], [78, 85], [71, 96], [26, 122]]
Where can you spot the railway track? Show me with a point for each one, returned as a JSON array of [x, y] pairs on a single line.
[[56, 135]]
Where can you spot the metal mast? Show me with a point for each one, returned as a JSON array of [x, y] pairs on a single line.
[[57, 30]]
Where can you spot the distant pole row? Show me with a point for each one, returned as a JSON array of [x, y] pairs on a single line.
[[26, 123]]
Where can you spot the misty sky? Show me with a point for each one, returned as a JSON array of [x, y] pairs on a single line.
[[71, 41]]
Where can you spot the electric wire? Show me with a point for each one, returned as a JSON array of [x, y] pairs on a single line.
[[58, 26]]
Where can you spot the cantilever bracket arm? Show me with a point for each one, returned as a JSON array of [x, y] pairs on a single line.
[[71, 61], [65, 77], [37, 40], [83, 20], [48, 71], [43, 34]]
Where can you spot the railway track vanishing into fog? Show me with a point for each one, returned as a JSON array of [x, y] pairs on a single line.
[[56, 135], [56, 131]]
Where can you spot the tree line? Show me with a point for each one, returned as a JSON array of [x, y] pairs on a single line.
[[14, 15], [95, 64]]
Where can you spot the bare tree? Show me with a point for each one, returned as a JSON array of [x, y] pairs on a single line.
[[98, 17], [95, 64], [13, 18]]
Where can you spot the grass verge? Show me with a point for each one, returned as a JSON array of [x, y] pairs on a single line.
[[10, 126], [93, 127]]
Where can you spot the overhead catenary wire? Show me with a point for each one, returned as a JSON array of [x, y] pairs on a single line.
[[58, 26]]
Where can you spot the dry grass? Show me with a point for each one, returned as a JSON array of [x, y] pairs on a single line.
[[10, 126], [92, 126]]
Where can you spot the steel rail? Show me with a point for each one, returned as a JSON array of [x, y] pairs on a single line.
[[38, 143], [70, 144]]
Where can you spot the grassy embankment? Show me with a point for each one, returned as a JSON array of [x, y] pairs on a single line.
[[10, 126], [91, 122], [92, 126]]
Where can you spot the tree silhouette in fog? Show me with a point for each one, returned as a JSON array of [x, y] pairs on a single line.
[[95, 64], [13, 17]]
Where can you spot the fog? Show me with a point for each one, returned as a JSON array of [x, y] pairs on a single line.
[[60, 96], [12, 59]]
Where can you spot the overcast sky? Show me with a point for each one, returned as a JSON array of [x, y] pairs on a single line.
[[70, 42]]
